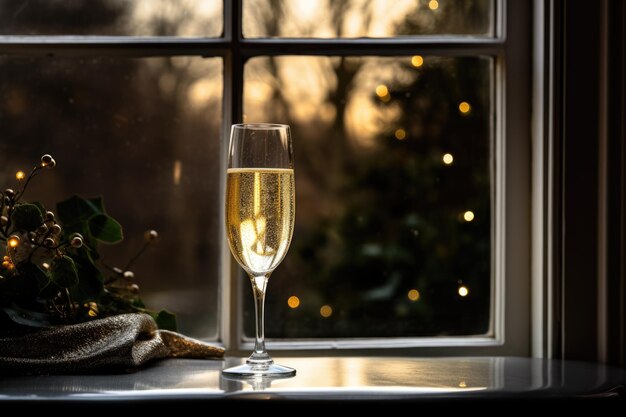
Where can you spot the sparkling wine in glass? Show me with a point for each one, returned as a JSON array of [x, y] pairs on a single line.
[[260, 213]]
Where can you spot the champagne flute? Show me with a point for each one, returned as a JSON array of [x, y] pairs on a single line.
[[260, 212]]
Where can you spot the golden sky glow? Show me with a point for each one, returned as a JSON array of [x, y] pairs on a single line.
[[303, 89], [361, 18], [189, 18]]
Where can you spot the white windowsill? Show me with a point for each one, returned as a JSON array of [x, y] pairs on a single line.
[[328, 379]]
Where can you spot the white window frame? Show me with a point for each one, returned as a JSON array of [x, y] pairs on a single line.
[[511, 199]]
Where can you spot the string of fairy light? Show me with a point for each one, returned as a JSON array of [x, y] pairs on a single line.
[[384, 95]]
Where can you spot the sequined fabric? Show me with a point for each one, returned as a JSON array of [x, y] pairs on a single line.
[[113, 344]]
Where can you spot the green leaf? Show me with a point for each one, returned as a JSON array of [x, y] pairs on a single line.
[[63, 272], [165, 320], [90, 282], [26, 217], [98, 202], [137, 302], [40, 206], [105, 229], [77, 209]]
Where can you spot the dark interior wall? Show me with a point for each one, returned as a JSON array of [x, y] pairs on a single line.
[[616, 182], [589, 175]]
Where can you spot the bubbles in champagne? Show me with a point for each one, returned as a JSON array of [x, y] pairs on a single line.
[[260, 211]]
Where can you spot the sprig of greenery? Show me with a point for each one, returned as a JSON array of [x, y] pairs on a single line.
[[52, 272]]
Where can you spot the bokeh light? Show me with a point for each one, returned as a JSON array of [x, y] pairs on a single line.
[[293, 301], [382, 91], [326, 311], [400, 134], [417, 61]]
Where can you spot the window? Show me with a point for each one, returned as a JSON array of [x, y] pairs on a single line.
[[409, 125], [385, 237], [139, 130]]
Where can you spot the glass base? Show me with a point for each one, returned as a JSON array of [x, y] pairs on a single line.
[[251, 371]]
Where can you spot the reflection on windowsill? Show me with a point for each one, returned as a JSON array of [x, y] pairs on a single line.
[[331, 378], [387, 375]]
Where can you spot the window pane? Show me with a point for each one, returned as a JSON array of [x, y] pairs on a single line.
[[144, 134], [366, 18], [188, 18], [393, 218]]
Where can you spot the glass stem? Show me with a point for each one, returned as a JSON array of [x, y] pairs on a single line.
[[260, 356]]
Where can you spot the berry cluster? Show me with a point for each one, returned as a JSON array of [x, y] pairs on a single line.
[[52, 272], [21, 243]]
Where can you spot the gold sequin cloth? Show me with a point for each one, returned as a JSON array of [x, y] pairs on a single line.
[[119, 343]]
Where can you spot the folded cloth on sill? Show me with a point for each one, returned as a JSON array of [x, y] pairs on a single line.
[[123, 342]]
